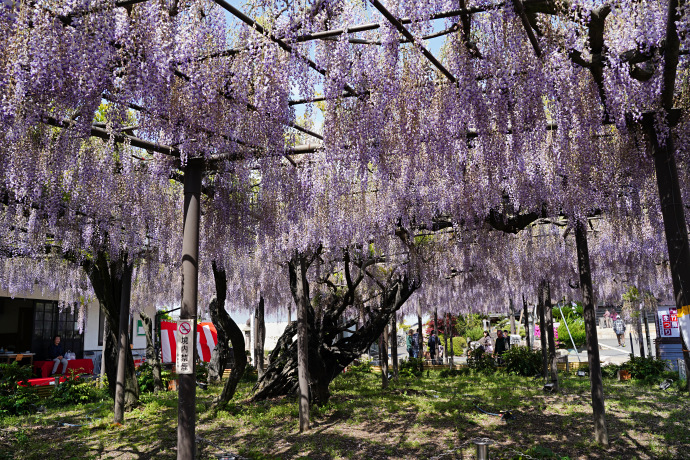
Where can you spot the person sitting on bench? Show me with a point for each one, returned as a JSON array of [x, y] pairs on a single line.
[[57, 354]]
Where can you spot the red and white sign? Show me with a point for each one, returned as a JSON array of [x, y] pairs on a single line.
[[206, 340], [667, 319]]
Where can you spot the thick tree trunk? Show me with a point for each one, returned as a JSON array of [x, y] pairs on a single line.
[[542, 331], [328, 352], [436, 334], [220, 355], [512, 316], [548, 314], [123, 345], [420, 335], [106, 280], [260, 327], [151, 356], [383, 357], [227, 329], [300, 290], [598, 408], [670, 197], [525, 311], [394, 346]]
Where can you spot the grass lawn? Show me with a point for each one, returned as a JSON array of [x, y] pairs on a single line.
[[421, 418]]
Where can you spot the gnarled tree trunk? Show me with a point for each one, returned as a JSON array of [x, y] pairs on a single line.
[[226, 329], [328, 352], [151, 355]]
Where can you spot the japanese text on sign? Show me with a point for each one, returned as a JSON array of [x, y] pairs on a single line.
[[184, 362], [667, 319]]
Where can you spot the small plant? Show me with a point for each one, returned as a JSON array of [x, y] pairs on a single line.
[[16, 396], [610, 371], [76, 391], [481, 362], [250, 374], [522, 361], [145, 378], [539, 452], [650, 369], [362, 367], [447, 373], [411, 367]]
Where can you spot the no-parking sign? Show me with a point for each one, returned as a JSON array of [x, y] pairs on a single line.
[[185, 346]]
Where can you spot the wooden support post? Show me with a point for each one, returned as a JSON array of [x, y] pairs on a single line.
[[452, 352], [542, 330], [435, 360], [383, 357], [548, 315], [302, 344], [123, 343], [512, 316], [260, 329], [599, 412], [186, 415], [446, 331], [420, 335], [527, 331], [394, 345]]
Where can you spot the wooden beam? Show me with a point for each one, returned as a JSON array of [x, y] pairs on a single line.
[[260, 29], [520, 10], [406, 33]]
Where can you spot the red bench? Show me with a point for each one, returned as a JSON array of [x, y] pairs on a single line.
[[44, 382], [76, 366]]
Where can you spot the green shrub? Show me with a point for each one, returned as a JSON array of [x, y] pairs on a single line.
[[145, 378], [577, 330], [14, 398], [650, 369], [446, 373], [411, 367], [76, 391], [522, 361], [481, 362], [202, 372], [475, 333], [360, 367], [459, 344], [250, 374], [610, 371]]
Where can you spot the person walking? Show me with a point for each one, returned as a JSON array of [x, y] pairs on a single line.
[[410, 344], [607, 319], [619, 329], [433, 342]]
